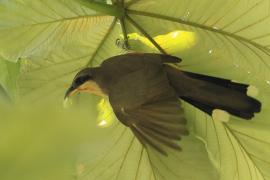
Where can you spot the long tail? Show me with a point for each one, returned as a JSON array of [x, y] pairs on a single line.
[[208, 93]]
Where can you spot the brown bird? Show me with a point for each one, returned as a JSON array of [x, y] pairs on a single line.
[[144, 92]]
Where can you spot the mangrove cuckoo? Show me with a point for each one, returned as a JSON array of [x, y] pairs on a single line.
[[144, 92]]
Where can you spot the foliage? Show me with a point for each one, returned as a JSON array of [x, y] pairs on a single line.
[[51, 40]]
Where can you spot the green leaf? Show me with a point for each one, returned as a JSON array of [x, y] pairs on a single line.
[[47, 78], [235, 35], [237, 149], [61, 37], [121, 156], [30, 28]]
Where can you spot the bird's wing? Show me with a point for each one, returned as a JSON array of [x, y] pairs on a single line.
[[146, 103]]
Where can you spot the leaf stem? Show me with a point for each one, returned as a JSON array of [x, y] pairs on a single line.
[[108, 9], [137, 26]]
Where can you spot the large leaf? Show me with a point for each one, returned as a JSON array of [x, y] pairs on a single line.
[[233, 42], [48, 78], [121, 156], [235, 35], [35, 27]]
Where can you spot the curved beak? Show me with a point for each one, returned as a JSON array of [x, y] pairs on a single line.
[[71, 90]]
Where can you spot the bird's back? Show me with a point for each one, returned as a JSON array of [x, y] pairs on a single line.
[[115, 68]]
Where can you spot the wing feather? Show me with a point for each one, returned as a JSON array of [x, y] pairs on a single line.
[[146, 140], [145, 102]]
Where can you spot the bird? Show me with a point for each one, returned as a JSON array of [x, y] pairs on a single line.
[[145, 91]]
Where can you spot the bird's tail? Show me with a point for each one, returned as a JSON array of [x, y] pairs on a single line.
[[208, 93]]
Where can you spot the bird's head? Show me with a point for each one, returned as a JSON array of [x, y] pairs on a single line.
[[84, 82]]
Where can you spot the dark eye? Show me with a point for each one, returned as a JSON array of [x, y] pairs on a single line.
[[81, 80]]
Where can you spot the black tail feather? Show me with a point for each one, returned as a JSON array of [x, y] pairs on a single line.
[[208, 93], [219, 81], [203, 107], [246, 114]]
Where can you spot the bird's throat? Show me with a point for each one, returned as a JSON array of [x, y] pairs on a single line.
[[92, 88]]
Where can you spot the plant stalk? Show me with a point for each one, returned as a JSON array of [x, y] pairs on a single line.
[[108, 9]]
